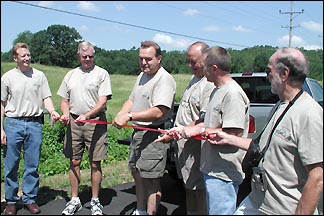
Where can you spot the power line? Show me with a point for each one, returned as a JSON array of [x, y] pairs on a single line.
[[231, 9], [127, 24]]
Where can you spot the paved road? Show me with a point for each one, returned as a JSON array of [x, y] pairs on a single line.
[[119, 200]]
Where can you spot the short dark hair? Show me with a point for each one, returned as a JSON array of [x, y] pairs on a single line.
[[147, 44], [218, 56]]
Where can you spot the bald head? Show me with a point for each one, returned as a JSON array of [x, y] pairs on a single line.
[[194, 53], [294, 60], [197, 46], [292, 53]]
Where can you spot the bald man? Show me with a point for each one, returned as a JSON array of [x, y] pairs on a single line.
[[292, 168]]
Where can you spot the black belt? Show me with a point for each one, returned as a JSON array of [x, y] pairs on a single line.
[[29, 118], [76, 116], [161, 126]]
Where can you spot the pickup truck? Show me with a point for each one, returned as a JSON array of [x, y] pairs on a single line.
[[262, 100]]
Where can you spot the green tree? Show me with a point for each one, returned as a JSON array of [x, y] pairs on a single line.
[[63, 43], [40, 48], [315, 58], [24, 37], [173, 61], [237, 61], [57, 45], [6, 56], [260, 62]]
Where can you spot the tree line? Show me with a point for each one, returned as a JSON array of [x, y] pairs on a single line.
[[57, 45]]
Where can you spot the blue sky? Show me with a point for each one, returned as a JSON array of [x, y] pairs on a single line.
[[114, 25]]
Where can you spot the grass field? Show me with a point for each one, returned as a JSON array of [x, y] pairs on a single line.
[[121, 85]]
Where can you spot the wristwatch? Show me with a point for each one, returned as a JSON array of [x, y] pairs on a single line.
[[130, 116]]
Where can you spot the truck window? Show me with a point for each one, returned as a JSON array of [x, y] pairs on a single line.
[[258, 89]]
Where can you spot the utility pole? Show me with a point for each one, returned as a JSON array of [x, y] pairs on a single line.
[[290, 20]]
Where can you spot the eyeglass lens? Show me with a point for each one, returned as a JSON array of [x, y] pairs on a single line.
[[88, 56]]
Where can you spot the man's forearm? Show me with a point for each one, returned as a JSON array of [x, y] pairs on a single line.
[[312, 192]]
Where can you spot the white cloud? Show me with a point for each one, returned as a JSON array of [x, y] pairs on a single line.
[[211, 28], [46, 3], [166, 39], [191, 12], [240, 28], [120, 7], [313, 26], [161, 38], [87, 6], [313, 47], [297, 42], [83, 28], [181, 43]]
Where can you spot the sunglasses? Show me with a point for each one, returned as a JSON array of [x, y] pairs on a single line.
[[88, 56]]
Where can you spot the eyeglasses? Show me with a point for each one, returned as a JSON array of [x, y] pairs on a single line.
[[88, 56]]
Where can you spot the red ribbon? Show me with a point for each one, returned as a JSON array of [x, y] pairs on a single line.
[[126, 126], [198, 137]]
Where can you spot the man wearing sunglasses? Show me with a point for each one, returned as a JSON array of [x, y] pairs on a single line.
[[85, 91]]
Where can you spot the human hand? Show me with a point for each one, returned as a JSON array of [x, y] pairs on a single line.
[[191, 131], [218, 137], [176, 133], [3, 137], [169, 135], [120, 120], [81, 118], [54, 115], [65, 119], [164, 138]]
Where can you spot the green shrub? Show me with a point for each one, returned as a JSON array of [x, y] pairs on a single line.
[[116, 151], [52, 162]]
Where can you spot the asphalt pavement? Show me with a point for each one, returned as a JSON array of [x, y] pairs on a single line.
[[119, 200]]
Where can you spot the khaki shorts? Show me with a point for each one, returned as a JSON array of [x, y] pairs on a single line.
[[146, 156], [188, 163], [89, 135]]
